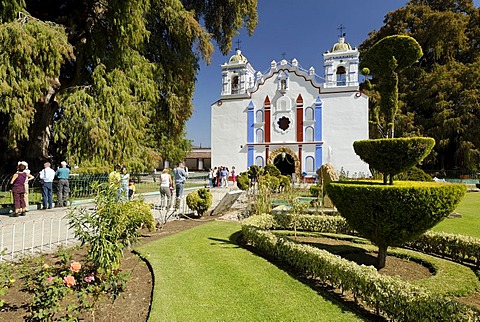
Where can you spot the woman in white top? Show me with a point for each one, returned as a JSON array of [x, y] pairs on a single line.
[[166, 188]]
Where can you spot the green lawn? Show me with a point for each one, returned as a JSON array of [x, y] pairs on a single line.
[[469, 223], [201, 275]]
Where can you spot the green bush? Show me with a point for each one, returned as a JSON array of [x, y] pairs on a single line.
[[285, 182], [110, 227], [414, 174], [272, 170], [390, 296], [315, 191], [200, 200], [243, 182], [392, 156], [269, 181], [390, 215]]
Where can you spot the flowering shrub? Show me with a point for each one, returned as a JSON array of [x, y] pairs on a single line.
[[110, 228], [54, 285]]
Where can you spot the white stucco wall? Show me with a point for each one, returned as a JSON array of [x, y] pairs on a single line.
[[229, 134], [345, 120]]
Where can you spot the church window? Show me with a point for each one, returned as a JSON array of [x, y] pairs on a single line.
[[284, 123], [309, 164], [309, 114], [259, 116], [259, 161], [259, 136], [283, 84], [309, 134], [341, 76], [235, 85]]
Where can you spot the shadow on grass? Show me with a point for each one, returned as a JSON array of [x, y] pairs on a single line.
[[327, 292]]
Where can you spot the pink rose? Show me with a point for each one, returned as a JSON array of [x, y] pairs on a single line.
[[90, 278], [69, 280], [75, 267], [49, 279]]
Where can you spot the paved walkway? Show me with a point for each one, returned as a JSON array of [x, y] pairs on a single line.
[[46, 230]]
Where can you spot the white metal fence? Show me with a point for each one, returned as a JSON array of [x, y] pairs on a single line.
[[20, 237], [30, 237]]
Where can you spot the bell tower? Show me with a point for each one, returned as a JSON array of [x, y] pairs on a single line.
[[238, 76], [341, 64]]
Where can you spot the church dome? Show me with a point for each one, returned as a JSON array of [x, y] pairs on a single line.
[[238, 58], [341, 45]]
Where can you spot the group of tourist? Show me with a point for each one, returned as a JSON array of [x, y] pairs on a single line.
[[19, 183], [180, 175], [219, 177]]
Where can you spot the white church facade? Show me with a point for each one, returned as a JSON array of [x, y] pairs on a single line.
[[290, 117]]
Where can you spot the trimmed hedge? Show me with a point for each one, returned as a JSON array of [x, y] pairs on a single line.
[[392, 297], [394, 214], [243, 182], [325, 224], [200, 200], [392, 156], [463, 249]]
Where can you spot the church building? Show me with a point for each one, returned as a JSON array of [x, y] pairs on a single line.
[[289, 116]]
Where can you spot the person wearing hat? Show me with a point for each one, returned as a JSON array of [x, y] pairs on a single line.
[[63, 173]]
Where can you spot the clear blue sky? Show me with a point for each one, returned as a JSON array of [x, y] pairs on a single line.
[[301, 29]]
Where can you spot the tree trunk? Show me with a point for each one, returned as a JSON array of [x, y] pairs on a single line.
[[37, 148], [382, 256]]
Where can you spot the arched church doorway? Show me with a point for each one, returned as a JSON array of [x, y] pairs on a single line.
[[285, 163], [286, 160]]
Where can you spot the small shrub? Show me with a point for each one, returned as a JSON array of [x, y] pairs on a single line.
[[285, 182], [243, 182], [269, 181], [200, 200], [414, 174], [110, 228], [272, 170]]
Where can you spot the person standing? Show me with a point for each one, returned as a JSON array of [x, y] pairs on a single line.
[[63, 173], [46, 176], [166, 187], [29, 177], [234, 175], [180, 178], [18, 190], [124, 180]]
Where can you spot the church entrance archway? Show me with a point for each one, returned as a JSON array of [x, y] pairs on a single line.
[[285, 163], [286, 160]]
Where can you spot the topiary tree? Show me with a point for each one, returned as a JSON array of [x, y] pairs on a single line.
[[391, 215], [200, 200], [384, 61], [393, 156]]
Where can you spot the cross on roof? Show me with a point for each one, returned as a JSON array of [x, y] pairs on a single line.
[[238, 42], [341, 29], [284, 54]]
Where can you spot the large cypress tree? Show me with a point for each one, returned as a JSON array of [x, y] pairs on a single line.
[[438, 96], [101, 82]]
